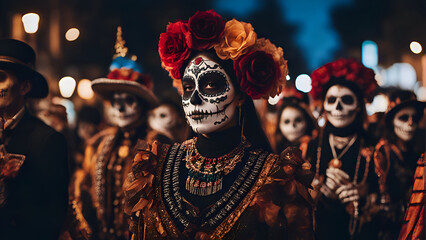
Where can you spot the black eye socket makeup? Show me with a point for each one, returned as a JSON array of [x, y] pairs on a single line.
[[331, 100], [188, 86], [130, 100], [404, 117], [348, 99], [213, 83]]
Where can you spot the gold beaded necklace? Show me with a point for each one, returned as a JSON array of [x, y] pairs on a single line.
[[205, 175]]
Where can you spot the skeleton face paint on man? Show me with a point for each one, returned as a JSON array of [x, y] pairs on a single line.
[[125, 109], [341, 106], [209, 98], [292, 124], [8, 88], [405, 123]]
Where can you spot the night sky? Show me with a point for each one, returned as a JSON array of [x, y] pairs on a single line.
[[316, 36]]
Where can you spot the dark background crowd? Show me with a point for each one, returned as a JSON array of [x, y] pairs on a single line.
[[385, 35]]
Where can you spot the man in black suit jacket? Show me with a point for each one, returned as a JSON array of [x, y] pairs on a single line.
[[36, 199]]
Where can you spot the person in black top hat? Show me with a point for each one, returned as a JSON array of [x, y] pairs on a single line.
[[34, 201]]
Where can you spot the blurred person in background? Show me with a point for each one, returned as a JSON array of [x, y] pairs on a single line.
[[55, 116], [88, 124], [33, 202], [295, 124], [97, 195], [396, 159], [168, 120]]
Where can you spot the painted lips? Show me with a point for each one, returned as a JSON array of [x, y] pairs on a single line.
[[201, 114]]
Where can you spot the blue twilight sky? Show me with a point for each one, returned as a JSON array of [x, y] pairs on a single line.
[[316, 36]]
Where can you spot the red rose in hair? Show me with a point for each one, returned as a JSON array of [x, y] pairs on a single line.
[[256, 72], [319, 78], [351, 69], [173, 49], [339, 67], [205, 27]]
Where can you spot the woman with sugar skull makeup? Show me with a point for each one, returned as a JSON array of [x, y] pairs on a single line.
[[97, 195], [341, 156], [224, 183], [295, 124], [396, 158]]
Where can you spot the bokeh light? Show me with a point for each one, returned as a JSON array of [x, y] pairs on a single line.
[[30, 21], [84, 89], [303, 83], [72, 34], [415, 47], [67, 86]]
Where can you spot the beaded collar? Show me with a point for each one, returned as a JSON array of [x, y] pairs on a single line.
[[205, 175], [215, 215]]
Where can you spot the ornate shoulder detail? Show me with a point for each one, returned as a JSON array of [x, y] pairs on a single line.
[[290, 165], [186, 144], [286, 191], [304, 143], [382, 158], [138, 185]]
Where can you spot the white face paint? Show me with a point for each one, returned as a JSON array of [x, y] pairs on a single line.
[[8, 88], [208, 95], [340, 106], [405, 124], [292, 124], [125, 109], [163, 119]]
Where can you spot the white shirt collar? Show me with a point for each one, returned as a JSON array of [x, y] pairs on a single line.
[[11, 123]]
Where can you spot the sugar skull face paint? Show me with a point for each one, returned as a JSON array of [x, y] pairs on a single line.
[[8, 88], [341, 106], [125, 109], [405, 123], [208, 96], [292, 124]]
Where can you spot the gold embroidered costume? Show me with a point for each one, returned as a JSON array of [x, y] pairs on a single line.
[[267, 200]]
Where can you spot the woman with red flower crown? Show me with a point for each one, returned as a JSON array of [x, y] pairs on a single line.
[[341, 155], [225, 183]]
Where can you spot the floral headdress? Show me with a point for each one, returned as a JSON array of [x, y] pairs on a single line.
[[259, 65], [343, 70]]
